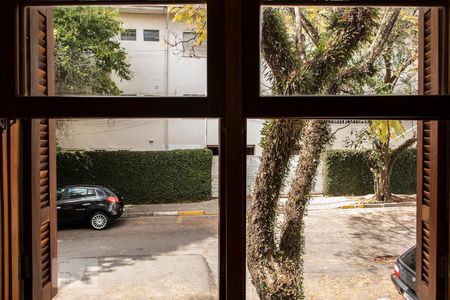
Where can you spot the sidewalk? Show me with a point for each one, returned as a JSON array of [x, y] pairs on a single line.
[[211, 207]]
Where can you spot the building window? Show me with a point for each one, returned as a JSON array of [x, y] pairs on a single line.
[[344, 121], [151, 35], [128, 35], [250, 150]]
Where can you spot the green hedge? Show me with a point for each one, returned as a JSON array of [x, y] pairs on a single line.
[[346, 172], [142, 176]]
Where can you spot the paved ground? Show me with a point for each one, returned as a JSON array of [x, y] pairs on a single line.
[[318, 202], [211, 207], [349, 255]]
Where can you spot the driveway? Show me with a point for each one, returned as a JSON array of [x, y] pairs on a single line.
[[349, 255]]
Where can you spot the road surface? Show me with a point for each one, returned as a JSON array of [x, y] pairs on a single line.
[[349, 255]]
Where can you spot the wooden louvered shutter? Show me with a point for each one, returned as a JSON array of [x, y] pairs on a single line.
[[9, 209], [42, 160], [432, 212], [43, 206], [41, 64]]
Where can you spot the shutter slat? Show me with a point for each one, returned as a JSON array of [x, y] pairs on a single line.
[[43, 174]]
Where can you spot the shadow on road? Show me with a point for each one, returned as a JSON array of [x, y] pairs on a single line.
[[177, 250]]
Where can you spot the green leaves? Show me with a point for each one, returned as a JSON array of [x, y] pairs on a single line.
[[347, 172], [142, 176], [87, 51], [383, 130]]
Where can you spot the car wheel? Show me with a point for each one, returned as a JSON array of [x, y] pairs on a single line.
[[99, 220]]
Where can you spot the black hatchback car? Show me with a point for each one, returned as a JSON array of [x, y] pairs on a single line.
[[404, 277], [95, 204]]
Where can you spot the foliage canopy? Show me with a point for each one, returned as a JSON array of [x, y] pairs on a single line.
[[87, 51]]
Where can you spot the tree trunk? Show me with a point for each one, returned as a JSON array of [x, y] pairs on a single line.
[[277, 272], [382, 175], [381, 184], [261, 249]]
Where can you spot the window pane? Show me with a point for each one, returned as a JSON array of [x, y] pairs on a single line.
[[338, 51], [327, 214], [77, 192], [128, 35], [151, 35], [159, 183], [119, 51]]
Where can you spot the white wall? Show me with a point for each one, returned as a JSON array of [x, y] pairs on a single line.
[[157, 68]]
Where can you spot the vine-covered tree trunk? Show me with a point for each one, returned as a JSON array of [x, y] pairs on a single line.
[[277, 271], [317, 137], [262, 256]]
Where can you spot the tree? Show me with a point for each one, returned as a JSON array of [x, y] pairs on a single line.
[[302, 58], [306, 51], [194, 16], [87, 51], [381, 157]]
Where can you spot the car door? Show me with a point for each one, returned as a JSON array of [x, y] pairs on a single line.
[[76, 204]]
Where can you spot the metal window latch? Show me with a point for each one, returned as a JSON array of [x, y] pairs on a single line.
[[3, 124], [6, 123]]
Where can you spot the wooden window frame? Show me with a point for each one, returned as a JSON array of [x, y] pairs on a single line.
[[233, 97]]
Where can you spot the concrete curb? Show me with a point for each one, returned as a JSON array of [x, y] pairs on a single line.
[[358, 205], [167, 213], [378, 205]]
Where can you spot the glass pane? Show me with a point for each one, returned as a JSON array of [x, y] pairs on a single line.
[[120, 51], [154, 182], [128, 35], [327, 215], [151, 35], [338, 51]]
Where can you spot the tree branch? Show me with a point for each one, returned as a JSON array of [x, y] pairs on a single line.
[[365, 67], [277, 48], [299, 37], [397, 151], [309, 28], [396, 76], [378, 45]]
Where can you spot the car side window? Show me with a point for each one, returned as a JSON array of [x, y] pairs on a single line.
[[90, 193], [75, 193]]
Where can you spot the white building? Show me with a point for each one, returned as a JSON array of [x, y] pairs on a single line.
[[160, 54], [162, 65]]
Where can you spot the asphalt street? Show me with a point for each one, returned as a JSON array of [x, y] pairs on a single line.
[[349, 255]]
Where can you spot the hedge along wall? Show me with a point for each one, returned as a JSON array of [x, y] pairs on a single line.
[[142, 176], [346, 172]]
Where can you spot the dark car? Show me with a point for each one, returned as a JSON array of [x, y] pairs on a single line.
[[404, 277], [95, 204]]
